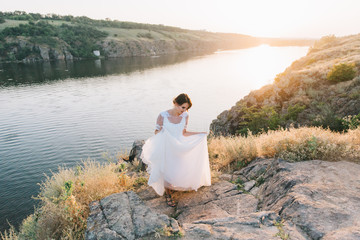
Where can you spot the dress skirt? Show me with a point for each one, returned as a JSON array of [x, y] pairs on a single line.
[[176, 162]]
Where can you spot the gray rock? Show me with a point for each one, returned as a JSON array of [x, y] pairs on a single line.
[[347, 233], [319, 197], [148, 194], [256, 168], [247, 227], [302, 201], [225, 177], [135, 152], [237, 176], [68, 55], [44, 53], [124, 216], [254, 191], [205, 194], [249, 185], [238, 205]]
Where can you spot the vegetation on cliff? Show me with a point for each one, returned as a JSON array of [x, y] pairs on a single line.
[[68, 37], [320, 89], [80, 42], [30, 37]]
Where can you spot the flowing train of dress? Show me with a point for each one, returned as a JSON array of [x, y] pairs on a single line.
[[175, 161]]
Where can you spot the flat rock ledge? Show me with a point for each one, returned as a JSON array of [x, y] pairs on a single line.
[[268, 199], [125, 216]]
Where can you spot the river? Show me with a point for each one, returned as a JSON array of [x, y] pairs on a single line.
[[58, 113]]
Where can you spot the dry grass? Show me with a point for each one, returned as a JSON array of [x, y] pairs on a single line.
[[9, 234], [65, 197], [295, 144]]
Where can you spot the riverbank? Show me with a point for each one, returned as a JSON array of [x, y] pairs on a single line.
[[65, 196], [34, 37]]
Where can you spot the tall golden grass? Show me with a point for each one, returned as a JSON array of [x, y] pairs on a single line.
[[65, 197], [294, 144]]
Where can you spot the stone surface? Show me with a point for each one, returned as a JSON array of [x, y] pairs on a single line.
[[321, 198], [301, 201], [124, 216], [225, 177], [218, 212], [135, 153], [247, 227], [254, 191], [249, 185]]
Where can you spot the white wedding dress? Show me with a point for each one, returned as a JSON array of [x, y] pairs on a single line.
[[175, 161]]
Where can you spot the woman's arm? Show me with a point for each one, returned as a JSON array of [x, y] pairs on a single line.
[[186, 133], [159, 124]]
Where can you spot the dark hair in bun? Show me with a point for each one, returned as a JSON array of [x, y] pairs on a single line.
[[181, 99]]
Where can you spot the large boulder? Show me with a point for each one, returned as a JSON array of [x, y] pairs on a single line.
[[221, 211], [125, 216], [321, 198]]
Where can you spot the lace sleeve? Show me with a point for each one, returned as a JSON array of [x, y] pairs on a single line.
[[159, 122], [186, 121]]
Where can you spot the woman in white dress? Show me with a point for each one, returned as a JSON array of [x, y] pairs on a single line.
[[177, 159]]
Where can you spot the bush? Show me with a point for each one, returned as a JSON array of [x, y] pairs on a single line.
[[330, 120], [293, 112], [258, 120], [341, 72]]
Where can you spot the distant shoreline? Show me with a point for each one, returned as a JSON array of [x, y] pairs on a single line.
[[31, 37]]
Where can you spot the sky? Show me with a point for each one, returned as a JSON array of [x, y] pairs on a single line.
[[260, 18]]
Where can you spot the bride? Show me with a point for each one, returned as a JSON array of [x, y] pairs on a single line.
[[177, 159]]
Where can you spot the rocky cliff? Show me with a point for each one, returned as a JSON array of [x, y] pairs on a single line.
[[110, 48], [55, 37], [66, 40], [269, 199], [302, 94]]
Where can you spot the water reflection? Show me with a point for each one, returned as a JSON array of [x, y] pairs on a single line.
[[13, 74]]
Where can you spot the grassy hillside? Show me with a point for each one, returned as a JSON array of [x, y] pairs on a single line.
[[320, 89], [32, 37]]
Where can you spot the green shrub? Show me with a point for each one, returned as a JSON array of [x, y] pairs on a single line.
[[332, 121], [341, 72], [293, 112], [82, 40], [259, 119]]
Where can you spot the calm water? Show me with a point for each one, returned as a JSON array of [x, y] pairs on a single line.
[[60, 113]]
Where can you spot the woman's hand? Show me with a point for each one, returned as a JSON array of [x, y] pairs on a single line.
[[157, 131], [186, 133]]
